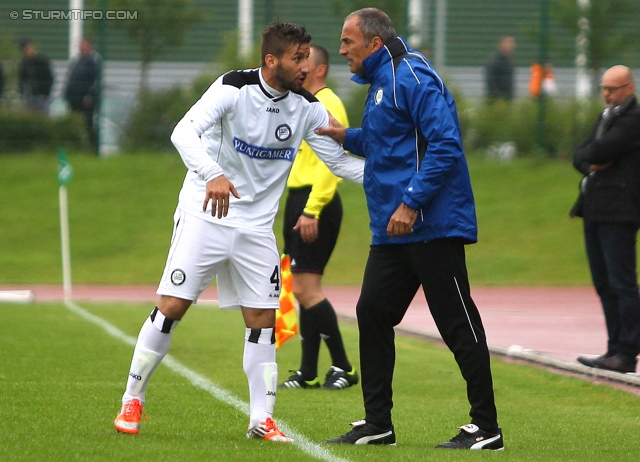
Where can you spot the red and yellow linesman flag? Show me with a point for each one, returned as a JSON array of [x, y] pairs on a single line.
[[286, 319]]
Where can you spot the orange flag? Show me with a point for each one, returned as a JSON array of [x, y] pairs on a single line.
[[286, 319]]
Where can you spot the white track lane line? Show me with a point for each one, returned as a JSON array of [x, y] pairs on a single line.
[[203, 383]]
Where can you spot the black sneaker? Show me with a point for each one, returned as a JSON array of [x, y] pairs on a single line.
[[364, 433], [296, 381], [337, 379], [471, 437], [592, 362], [612, 363]]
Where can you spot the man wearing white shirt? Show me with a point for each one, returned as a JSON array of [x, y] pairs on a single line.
[[238, 143]]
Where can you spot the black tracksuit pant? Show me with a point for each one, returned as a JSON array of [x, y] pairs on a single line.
[[392, 277]]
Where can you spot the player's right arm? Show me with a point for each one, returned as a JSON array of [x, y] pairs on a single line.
[[186, 137], [204, 114], [218, 191]]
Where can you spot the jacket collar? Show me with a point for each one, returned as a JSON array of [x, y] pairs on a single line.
[[387, 53], [625, 105]]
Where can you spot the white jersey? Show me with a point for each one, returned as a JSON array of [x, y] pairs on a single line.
[[249, 132]]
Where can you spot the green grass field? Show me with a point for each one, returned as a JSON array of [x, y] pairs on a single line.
[[63, 368], [121, 209], [62, 376]]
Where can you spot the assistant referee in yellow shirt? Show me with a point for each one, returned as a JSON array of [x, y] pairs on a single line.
[[312, 217]]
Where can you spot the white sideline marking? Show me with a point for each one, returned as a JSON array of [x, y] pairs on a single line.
[[203, 383]]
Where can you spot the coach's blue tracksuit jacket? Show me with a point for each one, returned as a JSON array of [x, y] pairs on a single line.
[[410, 138]]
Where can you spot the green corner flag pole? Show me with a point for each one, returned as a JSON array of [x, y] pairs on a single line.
[[65, 172]]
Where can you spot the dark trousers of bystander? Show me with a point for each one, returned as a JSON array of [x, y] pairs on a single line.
[[392, 277], [611, 250]]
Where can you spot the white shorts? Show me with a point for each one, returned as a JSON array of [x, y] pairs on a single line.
[[246, 263]]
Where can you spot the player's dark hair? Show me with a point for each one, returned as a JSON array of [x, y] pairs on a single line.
[[278, 37], [374, 23], [322, 55]]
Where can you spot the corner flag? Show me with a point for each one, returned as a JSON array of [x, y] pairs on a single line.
[[65, 171], [286, 321]]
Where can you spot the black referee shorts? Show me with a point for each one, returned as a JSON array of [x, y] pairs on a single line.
[[310, 257]]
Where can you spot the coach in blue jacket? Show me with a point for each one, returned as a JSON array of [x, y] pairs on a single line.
[[422, 214]]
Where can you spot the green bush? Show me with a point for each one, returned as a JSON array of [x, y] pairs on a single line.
[[157, 113], [487, 125], [154, 117], [29, 130], [354, 105], [484, 125], [566, 124]]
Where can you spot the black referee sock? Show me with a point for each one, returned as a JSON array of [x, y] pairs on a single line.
[[327, 325], [310, 343]]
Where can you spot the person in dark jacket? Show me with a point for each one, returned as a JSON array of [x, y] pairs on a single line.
[[609, 204], [35, 78], [500, 71], [83, 83], [422, 214]]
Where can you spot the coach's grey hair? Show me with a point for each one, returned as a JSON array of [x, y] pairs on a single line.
[[374, 22]]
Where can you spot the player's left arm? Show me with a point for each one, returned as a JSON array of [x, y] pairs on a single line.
[[330, 151], [326, 183], [324, 188]]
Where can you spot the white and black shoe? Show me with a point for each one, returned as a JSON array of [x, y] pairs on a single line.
[[364, 433], [472, 437], [338, 379], [296, 380]]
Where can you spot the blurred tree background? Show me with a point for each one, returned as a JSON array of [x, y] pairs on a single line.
[[168, 39]]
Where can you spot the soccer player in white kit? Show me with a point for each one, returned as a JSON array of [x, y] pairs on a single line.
[[238, 143]]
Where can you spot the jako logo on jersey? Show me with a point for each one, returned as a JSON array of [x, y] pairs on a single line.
[[263, 153], [275, 110], [135, 376], [377, 98], [283, 132]]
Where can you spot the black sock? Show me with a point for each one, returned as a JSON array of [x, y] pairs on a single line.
[[327, 324], [310, 343]]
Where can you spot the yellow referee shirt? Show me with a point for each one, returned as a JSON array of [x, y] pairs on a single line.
[[309, 170]]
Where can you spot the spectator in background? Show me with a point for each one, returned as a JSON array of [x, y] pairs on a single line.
[[35, 78], [542, 80], [500, 71], [83, 83], [609, 204], [549, 87]]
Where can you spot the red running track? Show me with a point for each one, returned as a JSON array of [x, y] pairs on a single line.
[[552, 325]]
